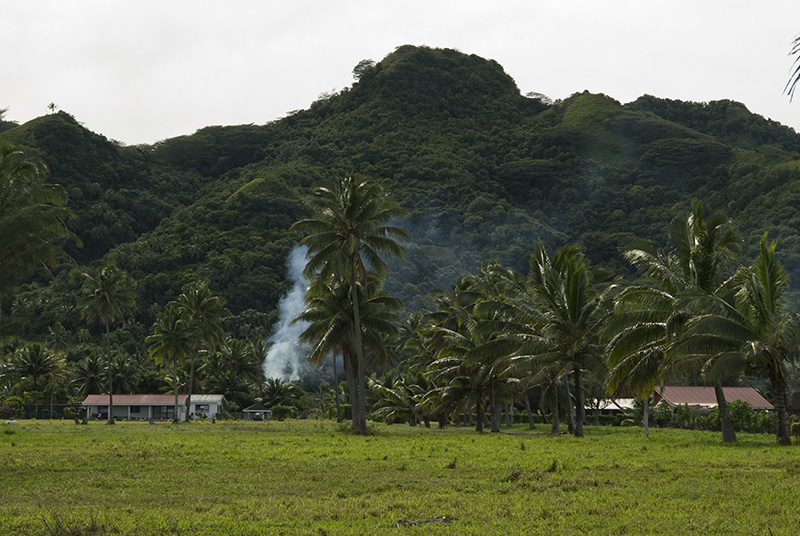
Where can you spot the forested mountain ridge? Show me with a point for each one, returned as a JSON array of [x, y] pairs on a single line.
[[483, 170]]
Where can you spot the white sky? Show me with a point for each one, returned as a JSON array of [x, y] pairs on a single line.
[[144, 70]]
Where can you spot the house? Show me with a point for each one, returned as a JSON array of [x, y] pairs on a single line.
[[155, 407], [205, 406], [256, 412], [704, 397]]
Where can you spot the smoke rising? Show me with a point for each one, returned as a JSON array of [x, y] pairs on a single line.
[[286, 358]]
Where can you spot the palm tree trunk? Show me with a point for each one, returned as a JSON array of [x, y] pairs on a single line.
[[580, 410], [359, 412], [555, 425], [110, 383], [479, 416], [646, 417], [570, 409], [175, 419], [187, 418], [336, 391], [531, 424], [728, 432], [495, 407], [778, 380]]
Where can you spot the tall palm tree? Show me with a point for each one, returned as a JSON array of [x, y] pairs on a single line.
[[172, 339], [756, 328], [33, 217], [331, 318], [349, 231], [204, 312], [573, 316], [650, 319], [109, 296]]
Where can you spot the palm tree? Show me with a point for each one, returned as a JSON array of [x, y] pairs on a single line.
[[36, 362], [331, 318], [345, 238], [466, 367], [756, 328], [109, 295], [573, 316], [203, 311], [650, 320], [88, 374], [235, 369], [172, 339], [33, 216]]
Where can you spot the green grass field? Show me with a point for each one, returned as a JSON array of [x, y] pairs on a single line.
[[235, 478]]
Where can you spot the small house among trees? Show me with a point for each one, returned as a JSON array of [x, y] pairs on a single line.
[[705, 399], [155, 407]]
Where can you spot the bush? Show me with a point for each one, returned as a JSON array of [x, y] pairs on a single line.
[[742, 414], [796, 430], [280, 412], [11, 408], [767, 423], [712, 421]]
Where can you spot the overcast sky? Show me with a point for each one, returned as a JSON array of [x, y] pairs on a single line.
[[145, 70]]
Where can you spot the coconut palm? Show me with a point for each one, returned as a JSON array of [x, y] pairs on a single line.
[[172, 339], [649, 320], [235, 368], [203, 312], [109, 296], [331, 318], [573, 313], [33, 216], [35, 362], [346, 237], [88, 374], [756, 328]]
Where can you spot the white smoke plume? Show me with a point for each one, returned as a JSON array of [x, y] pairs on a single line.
[[286, 357]]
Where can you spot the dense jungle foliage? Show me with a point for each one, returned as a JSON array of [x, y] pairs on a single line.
[[484, 171]]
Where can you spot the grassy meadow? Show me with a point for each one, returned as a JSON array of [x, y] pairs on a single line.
[[306, 477]]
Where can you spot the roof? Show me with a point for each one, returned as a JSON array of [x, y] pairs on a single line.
[[705, 397], [256, 408], [207, 399], [135, 400]]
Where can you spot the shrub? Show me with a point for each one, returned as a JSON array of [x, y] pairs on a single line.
[[712, 421], [742, 414], [796, 430], [686, 417], [766, 422], [11, 408], [280, 412]]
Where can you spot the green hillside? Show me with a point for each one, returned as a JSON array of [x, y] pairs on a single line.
[[484, 171]]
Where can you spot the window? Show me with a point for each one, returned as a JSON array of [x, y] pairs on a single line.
[[201, 408], [135, 409]]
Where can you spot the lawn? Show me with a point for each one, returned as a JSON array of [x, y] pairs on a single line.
[[306, 477]]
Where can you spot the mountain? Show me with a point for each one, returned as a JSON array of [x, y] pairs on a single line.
[[484, 171]]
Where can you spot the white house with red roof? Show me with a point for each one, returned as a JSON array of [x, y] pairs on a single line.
[[152, 407]]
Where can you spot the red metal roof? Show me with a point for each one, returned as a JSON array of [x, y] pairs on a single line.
[[134, 400], [704, 396]]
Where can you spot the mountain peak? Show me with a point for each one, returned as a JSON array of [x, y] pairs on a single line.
[[420, 80]]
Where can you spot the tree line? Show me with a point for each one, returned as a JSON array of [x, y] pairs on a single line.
[[565, 327]]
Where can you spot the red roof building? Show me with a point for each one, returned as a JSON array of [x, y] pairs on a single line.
[[153, 407], [704, 397]]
